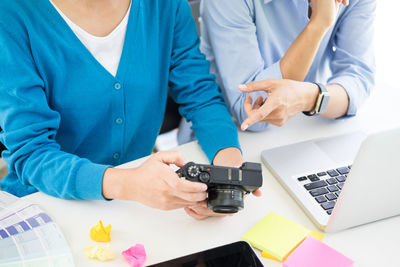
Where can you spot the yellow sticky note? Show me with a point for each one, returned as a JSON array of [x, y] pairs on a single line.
[[100, 233], [314, 234], [317, 235], [98, 253], [277, 236], [266, 255]]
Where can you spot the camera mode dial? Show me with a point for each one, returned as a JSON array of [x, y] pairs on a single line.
[[193, 171]]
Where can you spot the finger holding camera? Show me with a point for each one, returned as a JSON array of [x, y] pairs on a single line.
[[154, 183], [201, 211]]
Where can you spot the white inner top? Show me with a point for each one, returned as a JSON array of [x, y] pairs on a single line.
[[108, 49]]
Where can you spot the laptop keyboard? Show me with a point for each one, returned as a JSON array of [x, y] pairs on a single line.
[[325, 186]]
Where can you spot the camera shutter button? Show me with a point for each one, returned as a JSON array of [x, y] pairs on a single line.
[[204, 177]]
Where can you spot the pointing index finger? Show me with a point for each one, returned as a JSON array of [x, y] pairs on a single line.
[[265, 85]]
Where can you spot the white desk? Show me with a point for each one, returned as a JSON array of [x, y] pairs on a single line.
[[167, 235]]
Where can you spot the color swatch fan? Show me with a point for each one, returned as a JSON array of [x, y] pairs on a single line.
[[29, 237]]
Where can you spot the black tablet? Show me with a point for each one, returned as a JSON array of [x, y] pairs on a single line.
[[238, 254]]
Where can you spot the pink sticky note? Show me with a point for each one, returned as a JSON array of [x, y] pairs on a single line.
[[135, 255], [314, 253]]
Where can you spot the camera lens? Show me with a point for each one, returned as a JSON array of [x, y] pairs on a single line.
[[225, 199]]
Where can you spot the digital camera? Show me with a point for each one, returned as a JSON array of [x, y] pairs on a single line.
[[226, 185]]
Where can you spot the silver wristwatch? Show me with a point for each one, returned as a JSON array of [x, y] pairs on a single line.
[[322, 101]]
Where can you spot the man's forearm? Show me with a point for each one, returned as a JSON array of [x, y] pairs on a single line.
[[297, 61], [300, 55]]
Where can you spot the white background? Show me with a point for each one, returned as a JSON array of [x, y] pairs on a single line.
[[387, 42]]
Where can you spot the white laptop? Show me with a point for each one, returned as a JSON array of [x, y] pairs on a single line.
[[341, 181]]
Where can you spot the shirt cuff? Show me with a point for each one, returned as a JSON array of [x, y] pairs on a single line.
[[352, 89], [89, 181]]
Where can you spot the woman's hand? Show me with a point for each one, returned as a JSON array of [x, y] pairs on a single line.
[[285, 99], [231, 157], [201, 212], [154, 184]]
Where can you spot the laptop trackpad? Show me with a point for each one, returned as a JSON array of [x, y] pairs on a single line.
[[343, 148], [305, 157], [315, 155]]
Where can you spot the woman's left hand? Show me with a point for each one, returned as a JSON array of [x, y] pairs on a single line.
[[285, 99], [201, 212]]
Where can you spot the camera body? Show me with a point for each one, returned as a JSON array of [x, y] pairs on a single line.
[[226, 185]]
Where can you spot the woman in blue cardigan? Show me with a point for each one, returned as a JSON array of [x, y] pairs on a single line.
[[83, 87]]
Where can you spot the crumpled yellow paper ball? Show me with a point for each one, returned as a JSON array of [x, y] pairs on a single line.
[[98, 253], [100, 233]]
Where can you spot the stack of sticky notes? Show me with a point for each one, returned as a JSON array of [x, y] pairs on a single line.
[[284, 240], [277, 236], [314, 253]]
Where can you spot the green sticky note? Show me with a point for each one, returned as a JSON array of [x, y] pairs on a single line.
[[276, 235]]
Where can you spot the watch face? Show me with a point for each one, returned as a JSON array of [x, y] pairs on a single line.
[[323, 107], [321, 99]]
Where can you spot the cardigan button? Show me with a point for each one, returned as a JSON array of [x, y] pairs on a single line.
[[117, 86], [116, 156], [118, 121]]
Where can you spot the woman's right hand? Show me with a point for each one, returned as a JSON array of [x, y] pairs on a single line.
[[154, 183]]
